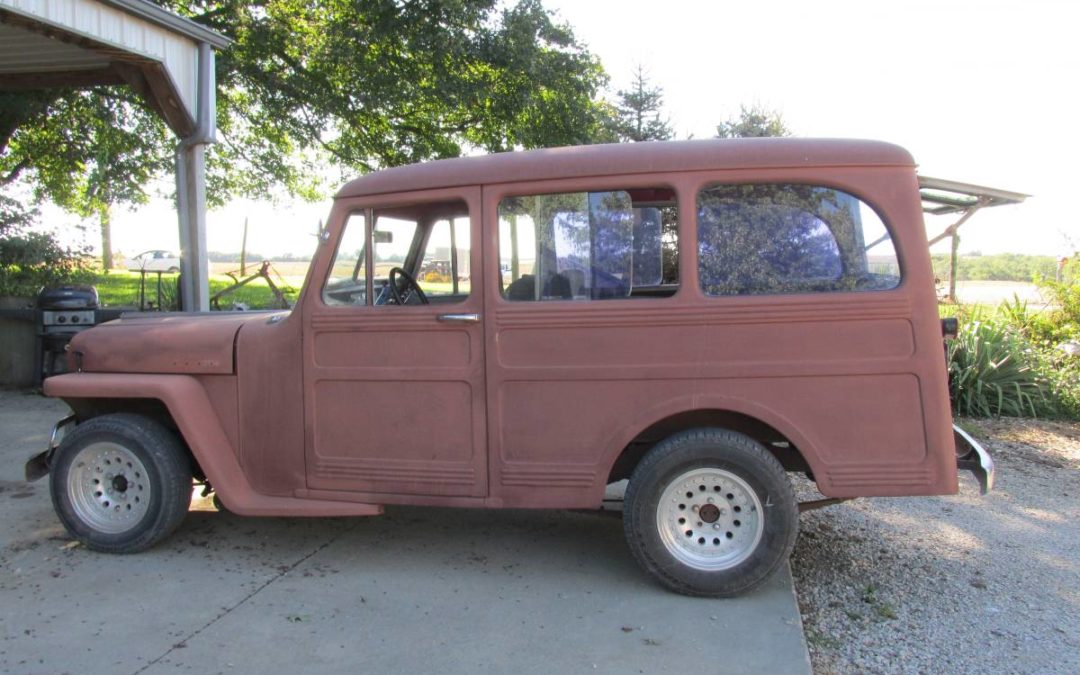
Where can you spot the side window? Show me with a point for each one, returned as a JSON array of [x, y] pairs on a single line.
[[589, 245], [346, 284], [428, 241], [771, 239], [445, 267]]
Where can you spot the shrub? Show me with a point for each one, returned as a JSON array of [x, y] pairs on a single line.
[[993, 371]]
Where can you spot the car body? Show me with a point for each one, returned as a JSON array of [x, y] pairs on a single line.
[[156, 260], [698, 317]]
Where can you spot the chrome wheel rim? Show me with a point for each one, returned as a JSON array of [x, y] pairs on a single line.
[[709, 519], [108, 487]]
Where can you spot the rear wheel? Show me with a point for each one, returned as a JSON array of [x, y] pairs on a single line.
[[120, 483], [710, 512]]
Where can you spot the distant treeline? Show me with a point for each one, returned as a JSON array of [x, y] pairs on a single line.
[[997, 267], [219, 257]]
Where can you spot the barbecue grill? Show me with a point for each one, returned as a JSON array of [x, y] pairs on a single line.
[[63, 311]]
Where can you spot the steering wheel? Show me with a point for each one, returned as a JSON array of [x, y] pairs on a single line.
[[402, 295]]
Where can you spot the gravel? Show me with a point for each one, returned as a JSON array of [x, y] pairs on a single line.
[[958, 584]]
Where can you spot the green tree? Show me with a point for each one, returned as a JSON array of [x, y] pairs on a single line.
[[359, 85], [90, 150], [755, 121], [640, 110], [31, 259]]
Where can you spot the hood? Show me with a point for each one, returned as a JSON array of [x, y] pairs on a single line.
[[192, 344]]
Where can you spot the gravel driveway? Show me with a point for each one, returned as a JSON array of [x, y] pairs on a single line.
[[961, 584]]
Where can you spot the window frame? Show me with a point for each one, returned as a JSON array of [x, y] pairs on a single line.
[[468, 196]]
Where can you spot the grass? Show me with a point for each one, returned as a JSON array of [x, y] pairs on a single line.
[[120, 288]]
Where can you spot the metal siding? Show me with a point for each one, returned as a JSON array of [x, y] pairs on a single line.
[[108, 25]]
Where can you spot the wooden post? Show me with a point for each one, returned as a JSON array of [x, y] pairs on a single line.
[[243, 250]]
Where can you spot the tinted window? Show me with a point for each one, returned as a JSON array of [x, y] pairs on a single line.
[[588, 245], [761, 239]]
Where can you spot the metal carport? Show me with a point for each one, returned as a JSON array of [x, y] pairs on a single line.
[[944, 197], [167, 59]]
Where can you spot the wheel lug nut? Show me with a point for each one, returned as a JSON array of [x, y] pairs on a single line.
[[694, 508], [716, 526], [710, 500]]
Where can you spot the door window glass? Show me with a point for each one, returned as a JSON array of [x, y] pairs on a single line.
[[346, 284], [429, 242]]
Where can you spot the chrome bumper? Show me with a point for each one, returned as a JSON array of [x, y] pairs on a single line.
[[973, 457], [38, 466]]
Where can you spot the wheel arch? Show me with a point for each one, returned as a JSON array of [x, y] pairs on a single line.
[[177, 402], [794, 451], [189, 408]]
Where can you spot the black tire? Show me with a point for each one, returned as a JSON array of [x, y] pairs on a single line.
[[723, 549], [121, 483]]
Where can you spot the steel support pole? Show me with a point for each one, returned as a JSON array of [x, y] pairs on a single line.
[[191, 191], [191, 210]]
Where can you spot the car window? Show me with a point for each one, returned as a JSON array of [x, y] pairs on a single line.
[[346, 284], [444, 270], [766, 239], [602, 245], [429, 242]]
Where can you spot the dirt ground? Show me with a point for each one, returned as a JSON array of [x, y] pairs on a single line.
[[956, 584]]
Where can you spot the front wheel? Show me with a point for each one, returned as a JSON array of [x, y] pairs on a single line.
[[710, 512], [120, 483]]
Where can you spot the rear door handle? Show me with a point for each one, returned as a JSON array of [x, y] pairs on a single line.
[[459, 318]]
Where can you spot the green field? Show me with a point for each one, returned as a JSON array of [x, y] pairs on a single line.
[[121, 288]]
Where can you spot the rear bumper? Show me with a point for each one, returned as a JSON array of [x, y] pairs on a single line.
[[973, 457]]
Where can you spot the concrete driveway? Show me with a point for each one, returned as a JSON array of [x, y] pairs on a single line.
[[415, 590]]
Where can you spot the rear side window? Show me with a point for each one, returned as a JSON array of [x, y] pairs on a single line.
[[771, 239], [589, 245]]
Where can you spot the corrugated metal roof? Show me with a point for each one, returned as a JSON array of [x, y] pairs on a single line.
[[23, 51], [175, 23], [942, 196]]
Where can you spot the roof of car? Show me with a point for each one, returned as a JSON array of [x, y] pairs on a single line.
[[627, 158]]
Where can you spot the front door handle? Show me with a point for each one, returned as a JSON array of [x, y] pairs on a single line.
[[459, 318]]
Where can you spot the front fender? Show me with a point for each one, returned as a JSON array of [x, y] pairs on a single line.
[[193, 414]]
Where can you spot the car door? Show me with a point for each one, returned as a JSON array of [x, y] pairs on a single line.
[[395, 403]]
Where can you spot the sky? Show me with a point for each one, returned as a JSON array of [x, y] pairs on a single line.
[[984, 92]]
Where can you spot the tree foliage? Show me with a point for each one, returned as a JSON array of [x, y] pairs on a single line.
[[640, 111], [358, 85], [755, 121], [381, 83], [31, 259]]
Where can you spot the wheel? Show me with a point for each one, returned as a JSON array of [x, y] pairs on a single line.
[[401, 295], [173, 270], [710, 512], [120, 483]]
